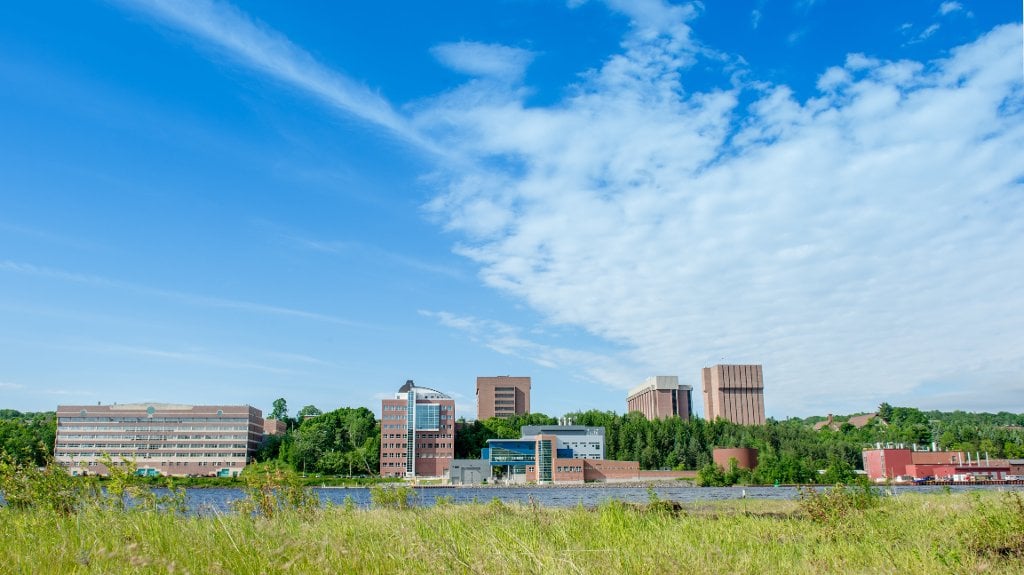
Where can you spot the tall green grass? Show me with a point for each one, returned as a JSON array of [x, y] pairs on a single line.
[[960, 533]]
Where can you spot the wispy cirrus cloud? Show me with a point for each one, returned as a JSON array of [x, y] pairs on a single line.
[[607, 369], [489, 60], [950, 7], [256, 46], [379, 254], [194, 356], [184, 297]]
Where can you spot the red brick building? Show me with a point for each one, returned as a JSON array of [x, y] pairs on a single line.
[[734, 393], [502, 396], [417, 433], [892, 463]]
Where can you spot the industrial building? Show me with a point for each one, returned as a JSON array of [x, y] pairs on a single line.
[[160, 438], [417, 433], [896, 463], [661, 396], [502, 396], [734, 393]]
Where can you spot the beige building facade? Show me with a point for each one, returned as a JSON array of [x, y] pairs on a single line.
[[734, 393], [502, 396], [160, 438], [661, 396]]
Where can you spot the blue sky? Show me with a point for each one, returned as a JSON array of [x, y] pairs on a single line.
[[209, 202]]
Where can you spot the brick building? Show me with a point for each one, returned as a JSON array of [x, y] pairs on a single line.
[[661, 396], [502, 396], [734, 393], [417, 433], [161, 438], [893, 463]]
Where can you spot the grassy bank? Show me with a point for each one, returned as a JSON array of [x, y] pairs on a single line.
[[934, 534]]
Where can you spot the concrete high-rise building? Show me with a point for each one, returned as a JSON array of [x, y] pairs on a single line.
[[417, 433], [661, 396], [734, 393], [502, 396], [161, 438]]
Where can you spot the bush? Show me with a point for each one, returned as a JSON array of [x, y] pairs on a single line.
[[270, 491], [711, 475], [837, 503], [397, 497]]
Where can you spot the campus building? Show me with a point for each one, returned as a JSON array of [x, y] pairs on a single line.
[[417, 433], [546, 453], [551, 454], [661, 396], [888, 463], [502, 396], [734, 393], [161, 439]]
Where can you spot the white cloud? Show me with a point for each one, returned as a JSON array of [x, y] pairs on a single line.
[[256, 46], [506, 339], [949, 7], [197, 356], [490, 60], [185, 297], [927, 33], [856, 244], [10, 385]]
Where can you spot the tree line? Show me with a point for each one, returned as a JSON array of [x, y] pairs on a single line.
[[346, 441]]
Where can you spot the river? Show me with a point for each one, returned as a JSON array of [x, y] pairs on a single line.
[[209, 500]]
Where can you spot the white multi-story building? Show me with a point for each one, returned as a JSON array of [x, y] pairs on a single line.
[[161, 439]]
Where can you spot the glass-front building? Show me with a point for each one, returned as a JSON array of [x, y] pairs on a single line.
[[417, 433], [545, 454]]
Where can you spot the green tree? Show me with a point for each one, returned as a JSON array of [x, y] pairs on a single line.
[[280, 410]]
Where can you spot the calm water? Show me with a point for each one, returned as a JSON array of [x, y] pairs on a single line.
[[219, 499]]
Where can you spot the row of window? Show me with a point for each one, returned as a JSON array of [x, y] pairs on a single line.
[[419, 455], [441, 407], [131, 454], [69, 445], [418, 446], [401, 416], [569, 468], [167, 463], [150, 437], [150, 428], [154, 419]]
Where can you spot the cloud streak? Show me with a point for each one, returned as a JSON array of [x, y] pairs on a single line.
[[507, 339], [184, 297], [256, 46]]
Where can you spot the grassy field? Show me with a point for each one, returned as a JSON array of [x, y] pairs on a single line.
[[964, 533]]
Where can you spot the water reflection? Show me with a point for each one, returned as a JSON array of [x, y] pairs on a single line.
[[210, 500]]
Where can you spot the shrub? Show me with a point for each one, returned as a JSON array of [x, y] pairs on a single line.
[[397, 497], [837, 503], [270, 491]]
